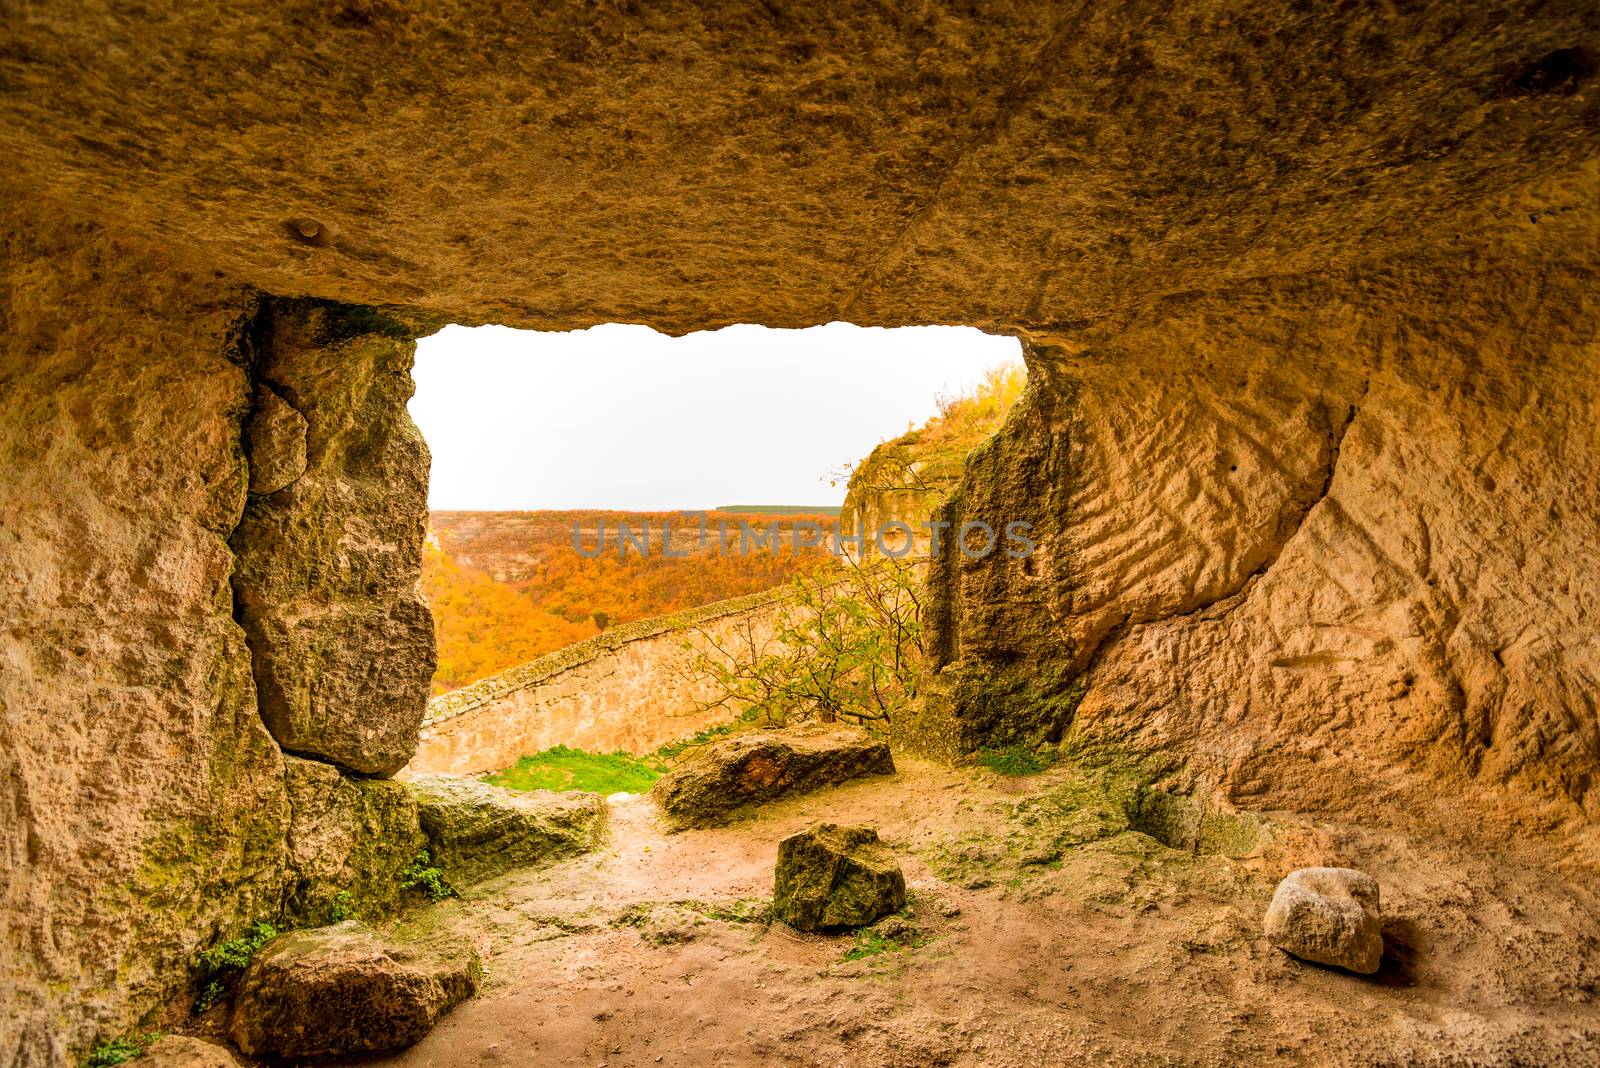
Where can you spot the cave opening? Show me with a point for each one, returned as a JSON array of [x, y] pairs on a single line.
[[588, 486]]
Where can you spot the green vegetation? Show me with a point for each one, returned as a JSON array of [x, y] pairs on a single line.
[[893, 933], [342, 907], [870, 942], [420, 874], [574, 769], [1015, 760], [236, 952], [673, 750], [1098, 833], [845, 646], [222, 963], [118, 1050]]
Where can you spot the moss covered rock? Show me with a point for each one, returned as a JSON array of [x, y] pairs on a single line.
[[476, 831], [759, 766], [829, 877], [344, 990], [349, 840]]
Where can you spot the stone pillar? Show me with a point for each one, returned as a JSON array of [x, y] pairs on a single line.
[[330, 547]]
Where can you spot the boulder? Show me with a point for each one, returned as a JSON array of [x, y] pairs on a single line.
[[1330, 916], [181, 1051], [759, 766], [830, 877], [476, 831], [343, 990], [349, 840]]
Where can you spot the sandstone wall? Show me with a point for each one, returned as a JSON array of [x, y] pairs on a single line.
[[629, 689], [144, 811], [1323, 543]]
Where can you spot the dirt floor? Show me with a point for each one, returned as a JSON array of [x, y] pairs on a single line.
[[1045, 927]]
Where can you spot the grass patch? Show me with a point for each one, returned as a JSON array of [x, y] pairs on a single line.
[[1015, 760], [574, 769], [673, 750]]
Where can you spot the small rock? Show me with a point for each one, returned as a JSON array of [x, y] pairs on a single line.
[[1330, 916], [760, 766], [181, 1051], [476, 831], [343, 990], [896, 929], [830, 877]]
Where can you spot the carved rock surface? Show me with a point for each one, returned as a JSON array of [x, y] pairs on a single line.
[[476, 831], [1328, 915], [1014, 164], [829, 877], [343, 990], [759, 766]]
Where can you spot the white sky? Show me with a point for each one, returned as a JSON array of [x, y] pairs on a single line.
[[623, 417]]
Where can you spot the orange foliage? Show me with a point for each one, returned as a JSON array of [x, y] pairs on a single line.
[[483, 626], [548, 595]]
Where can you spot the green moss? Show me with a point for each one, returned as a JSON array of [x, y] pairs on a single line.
[[562, 768], [673, 750], [1015, 760], [344, 322], [1091, 831], [1011, 705]]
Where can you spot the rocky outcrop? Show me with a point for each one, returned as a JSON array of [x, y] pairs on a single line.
[[476, 831], [1282, 576], [342, 991], [148, 810], [328, 563], [349, 841], [829, 877], [759, 766], [1015, 165], [1330, 916]]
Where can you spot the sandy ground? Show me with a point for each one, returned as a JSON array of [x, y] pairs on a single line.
[[1120, 951]]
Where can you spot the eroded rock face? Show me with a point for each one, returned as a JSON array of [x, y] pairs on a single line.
[[476, 831], [759, 766], [147, 808], [831, 877], [349, 840], [343, 990], [1016, 164], [1328, 915], [275, 442], [141, 799], [328, 563], [1287, 551]]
